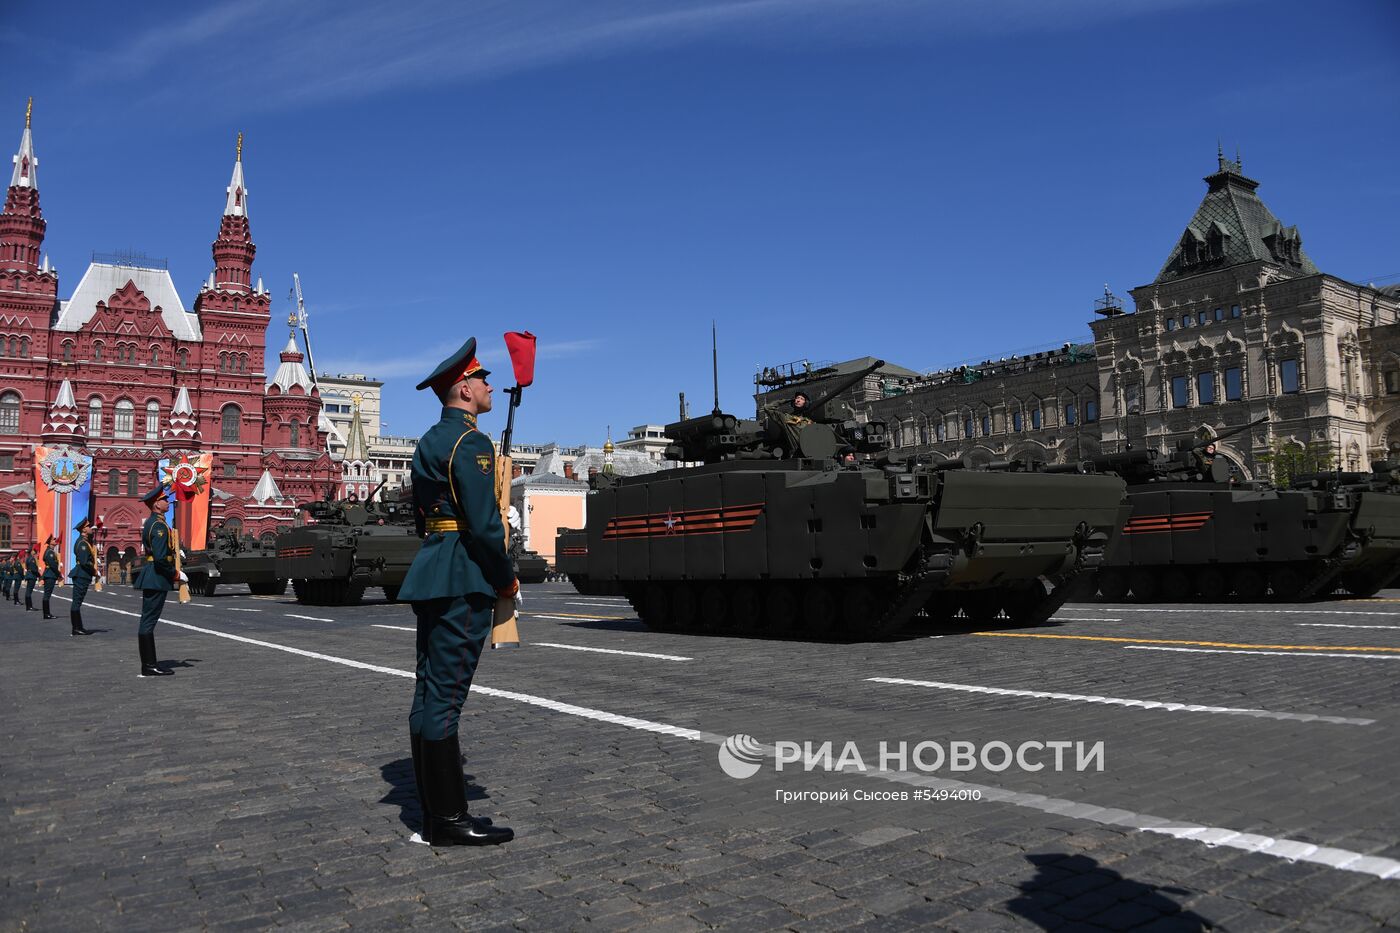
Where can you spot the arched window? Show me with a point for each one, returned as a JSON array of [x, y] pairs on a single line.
[[967, 426], [296, 433], [133, 483], [4, 530], [229, 424], [114, 482], [152, 420], [155, 356], [14, 346], [123, 423], [67, 351], [94, 417], [268, 539], [1035, 419], [182, 358], [97, 351], [938, 431], [24, 346], [223, 362], [9, 413], [234, 526]]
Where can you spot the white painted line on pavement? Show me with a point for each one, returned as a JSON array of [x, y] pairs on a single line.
[[1120, 701], [1211, 610], [236, 609], [1285, 654], [397, 628], [1073, 619], [635, 654], [202, 605], [1344, 625], [611, 604], [576, 618], [1288, 849], [293, 615]]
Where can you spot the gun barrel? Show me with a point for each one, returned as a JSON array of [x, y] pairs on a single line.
[[1231, 433], [843, 384]]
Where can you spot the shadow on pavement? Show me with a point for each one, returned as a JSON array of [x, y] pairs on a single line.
[[403, 792], [1075, 892]]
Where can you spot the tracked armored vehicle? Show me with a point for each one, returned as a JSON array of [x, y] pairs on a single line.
[[234, 559], [530, 567], [797, 526], [347, 547], [1193, 533]]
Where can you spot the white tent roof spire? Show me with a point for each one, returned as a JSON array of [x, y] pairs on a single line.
[[237, 203], [26, 164]]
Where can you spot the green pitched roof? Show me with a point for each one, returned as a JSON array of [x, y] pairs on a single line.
[[1233, 226]]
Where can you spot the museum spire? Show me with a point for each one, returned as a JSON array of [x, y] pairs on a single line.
[[22, 222], [234, 249]]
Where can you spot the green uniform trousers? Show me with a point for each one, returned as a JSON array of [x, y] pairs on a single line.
[[451, 633]]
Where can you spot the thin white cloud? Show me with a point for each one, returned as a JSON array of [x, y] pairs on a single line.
[[316, 50], [418, 365]]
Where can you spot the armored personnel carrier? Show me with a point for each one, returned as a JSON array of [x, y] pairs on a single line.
[[1195, 533], [233, 559], [794, 525], [530, 567], [347, 547]]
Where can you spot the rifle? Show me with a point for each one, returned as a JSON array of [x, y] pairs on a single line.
[[505, 631], [175, 543]]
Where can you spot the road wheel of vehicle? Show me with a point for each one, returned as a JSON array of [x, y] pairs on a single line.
[[391, 594], [860, 610], [685, 606], [1030, 604], [1177, 586], [1362, 585], [279, 587], [982, 606], [714, 609], [354, 594], [656, 609], [298, 588], [1210, 584], [941, 607], [746, 610], [780, 608], [1113, 585], [1248, 584], [819, 610], [1287, 582], [1143, 583]]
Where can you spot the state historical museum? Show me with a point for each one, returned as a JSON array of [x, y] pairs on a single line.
[[123, 373]]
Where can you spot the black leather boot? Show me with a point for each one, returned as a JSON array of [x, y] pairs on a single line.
[[75, 618], [415, 740], [47, 613], [448, 821], [28, 603], [147, 646]]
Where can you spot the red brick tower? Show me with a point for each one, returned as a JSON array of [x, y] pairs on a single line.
[[233, 316]]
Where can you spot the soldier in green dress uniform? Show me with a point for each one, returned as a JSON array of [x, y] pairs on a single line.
[[31, 577], [453, 585], [15, 569], [84, 569], [7, 573], [51, 573], [155, 579]]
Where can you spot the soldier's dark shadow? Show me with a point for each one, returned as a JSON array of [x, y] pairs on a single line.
[[609, 625], [403, 792], [1074, 892], [186, 662]]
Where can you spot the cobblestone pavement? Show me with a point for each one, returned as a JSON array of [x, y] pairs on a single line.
[[1249, 773]]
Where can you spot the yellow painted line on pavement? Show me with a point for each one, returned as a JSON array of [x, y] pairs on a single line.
[[571, 615], [1177, 641]]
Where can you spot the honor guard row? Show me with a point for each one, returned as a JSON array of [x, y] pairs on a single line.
[[23, 569]]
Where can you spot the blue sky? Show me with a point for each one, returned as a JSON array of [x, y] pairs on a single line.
[[922, 181]]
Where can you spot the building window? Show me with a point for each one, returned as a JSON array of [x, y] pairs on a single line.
[[1017, 422], [152, 420], [229, 424], [114, 482], [1071, 414], [94, 417], [938, 430], [67, 351], [182, 358], [1186, 320], [1234, 311], [1201, 317], [1035, 419], [296, 433], [132, 483], [4, 531], [1171, 323], [7, 462], [1132, 398], [124, 421], [1234, 384], [229, 470], [1205, 388], [1220, 314], [1288, 376], [1181, 391], [155, 356], [967, 427], [986, 425], [1091, 410], [97, 352], [1392, 382], [9, 413]]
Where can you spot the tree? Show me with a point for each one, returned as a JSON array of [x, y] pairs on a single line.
[[1289, 459]]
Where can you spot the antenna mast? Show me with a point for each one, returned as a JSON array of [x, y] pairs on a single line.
[[305, 333], [714, 361]]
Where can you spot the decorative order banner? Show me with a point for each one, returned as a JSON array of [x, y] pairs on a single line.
[[62, 497], [188, 479]]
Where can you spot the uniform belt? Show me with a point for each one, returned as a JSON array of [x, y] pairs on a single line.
[[150, 560], [434, 525]]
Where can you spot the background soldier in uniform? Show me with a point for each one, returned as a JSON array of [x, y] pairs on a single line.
[[84, 569], [7, 571], [453, 584], [51, 573], [155, 579], [31, 576]]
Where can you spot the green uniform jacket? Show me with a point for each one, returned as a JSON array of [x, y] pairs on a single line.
[[51, 565], [31, 569], [454, 477], [158, 572], [84, 564]]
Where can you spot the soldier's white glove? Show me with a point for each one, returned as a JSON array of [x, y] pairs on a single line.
[[183, 578]]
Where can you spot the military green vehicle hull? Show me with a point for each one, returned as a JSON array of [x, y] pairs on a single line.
[[333, 565], [1210, 540], [531, 567], [214, 567], [819, 549]]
